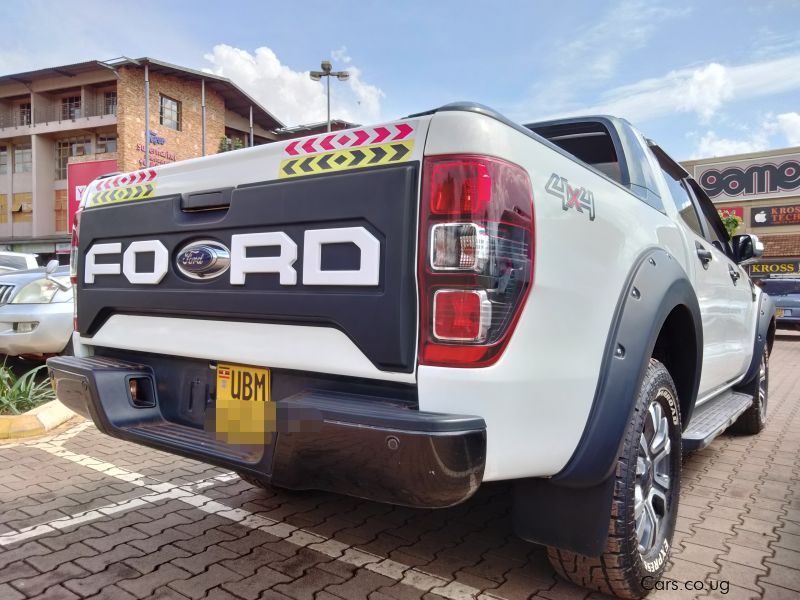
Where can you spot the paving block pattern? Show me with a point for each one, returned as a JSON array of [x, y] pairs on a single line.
[[86, 516]]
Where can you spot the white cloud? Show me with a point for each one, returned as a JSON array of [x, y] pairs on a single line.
[[291, 95], [753, 139], [703, 90], [341, 55], [710, 144], [789, 125], [706, 90], [586, 56]]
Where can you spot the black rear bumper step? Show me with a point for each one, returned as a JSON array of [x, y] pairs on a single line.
[[346, 443], [713, 417]]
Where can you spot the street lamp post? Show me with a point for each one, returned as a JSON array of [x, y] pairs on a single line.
[[328, 73]]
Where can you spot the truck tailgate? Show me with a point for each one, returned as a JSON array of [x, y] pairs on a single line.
[[379, 318]]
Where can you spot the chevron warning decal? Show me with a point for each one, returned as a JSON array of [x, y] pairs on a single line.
[[122, 194], [351, 138], [341, 160]]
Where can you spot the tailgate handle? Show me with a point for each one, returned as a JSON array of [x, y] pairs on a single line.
[[209, 200]]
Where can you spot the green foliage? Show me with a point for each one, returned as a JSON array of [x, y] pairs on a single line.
[[21, 394], [227, 144], [731, 221]]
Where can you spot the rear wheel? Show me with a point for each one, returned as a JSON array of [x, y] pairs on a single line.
[[645, 502], [752, 420]]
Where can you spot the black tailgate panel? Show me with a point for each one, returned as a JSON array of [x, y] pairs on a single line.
[[380, 320]]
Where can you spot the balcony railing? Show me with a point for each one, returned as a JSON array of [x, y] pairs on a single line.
[[58, 113]]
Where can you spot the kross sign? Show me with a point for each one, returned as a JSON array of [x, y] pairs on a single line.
[[775, 215]]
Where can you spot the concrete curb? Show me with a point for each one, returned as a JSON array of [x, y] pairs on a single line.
[[35, 422]]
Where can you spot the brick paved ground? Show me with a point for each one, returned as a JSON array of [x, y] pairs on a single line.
[[86, 516]]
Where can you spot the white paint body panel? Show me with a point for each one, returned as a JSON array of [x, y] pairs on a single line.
[[258, 344], [536, 398]]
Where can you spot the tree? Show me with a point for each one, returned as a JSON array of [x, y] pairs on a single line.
[[730, 220], [227, 144]]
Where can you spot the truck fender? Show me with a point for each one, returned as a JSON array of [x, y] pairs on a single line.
[[571, 509], [765, 335]]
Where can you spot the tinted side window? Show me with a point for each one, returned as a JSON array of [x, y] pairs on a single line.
[[683, 202], [717, 233]]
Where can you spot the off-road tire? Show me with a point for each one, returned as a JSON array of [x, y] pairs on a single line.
[[622, 569], [753, 420]]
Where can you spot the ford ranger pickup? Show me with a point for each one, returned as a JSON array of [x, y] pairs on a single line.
[[403, 312]]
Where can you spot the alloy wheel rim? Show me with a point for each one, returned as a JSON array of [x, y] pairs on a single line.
[[653, 477]]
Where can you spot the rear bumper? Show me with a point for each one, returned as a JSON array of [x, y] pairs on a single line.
[[350, 444]]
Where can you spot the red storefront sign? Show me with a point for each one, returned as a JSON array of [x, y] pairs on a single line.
[[79, 175]]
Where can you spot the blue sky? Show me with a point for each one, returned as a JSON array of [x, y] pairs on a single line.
[[703, 78]]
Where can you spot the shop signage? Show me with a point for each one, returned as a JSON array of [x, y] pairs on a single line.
[[777, 268], [746, 179], [157, 139], [158, 156], [775, 215], [79, 175]]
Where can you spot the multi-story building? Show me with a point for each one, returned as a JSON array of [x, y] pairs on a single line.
[[62, 126], [763, 190]]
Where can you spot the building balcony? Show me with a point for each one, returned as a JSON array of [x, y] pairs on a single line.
[[56, 117]]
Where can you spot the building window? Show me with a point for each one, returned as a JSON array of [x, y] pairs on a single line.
[[3, 160], [106, 143], [23, 158], [110, 103], [70, 107], [169, 112], [25, 113], [67, 148]]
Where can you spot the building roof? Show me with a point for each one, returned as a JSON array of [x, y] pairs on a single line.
[[311, 128], [236, 99], [737, 157], [780, 245]]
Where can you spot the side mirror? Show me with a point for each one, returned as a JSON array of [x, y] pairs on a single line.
[[51, 268], [746, 247]]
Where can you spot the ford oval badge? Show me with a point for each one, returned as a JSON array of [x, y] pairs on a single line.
[[203, 259]]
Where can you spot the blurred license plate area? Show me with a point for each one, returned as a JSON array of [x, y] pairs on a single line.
[[244, 413]]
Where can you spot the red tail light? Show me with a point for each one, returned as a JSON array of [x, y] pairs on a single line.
[[476, 258], [73, 266]]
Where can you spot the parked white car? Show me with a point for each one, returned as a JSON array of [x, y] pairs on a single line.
[[35, 312], [17, 261]]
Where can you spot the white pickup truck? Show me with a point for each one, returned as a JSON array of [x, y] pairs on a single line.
[[405, 311]]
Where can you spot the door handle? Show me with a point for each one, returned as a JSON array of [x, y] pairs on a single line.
[[734, 274], [703, 254]]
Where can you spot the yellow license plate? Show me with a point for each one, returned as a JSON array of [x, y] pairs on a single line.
[[778, 312], [244, 413]]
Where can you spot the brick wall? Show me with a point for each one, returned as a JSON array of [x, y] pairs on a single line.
[[185, 143]]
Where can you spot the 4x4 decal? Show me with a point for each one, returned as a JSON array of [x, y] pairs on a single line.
[[571, 197]]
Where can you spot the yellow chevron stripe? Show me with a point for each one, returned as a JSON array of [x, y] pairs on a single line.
[[122, 194], [343, 160]]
